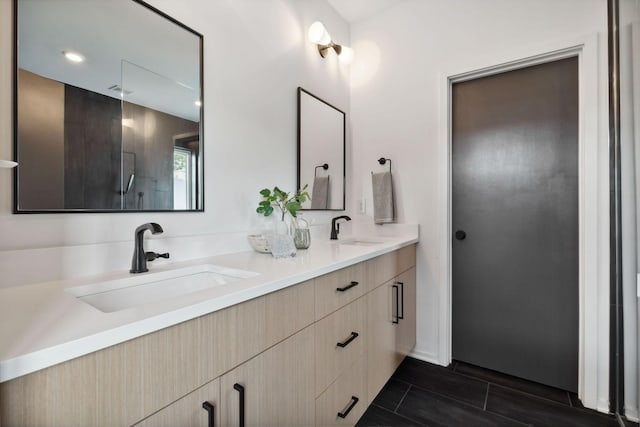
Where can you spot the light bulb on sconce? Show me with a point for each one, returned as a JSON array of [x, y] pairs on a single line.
[[319, 35]]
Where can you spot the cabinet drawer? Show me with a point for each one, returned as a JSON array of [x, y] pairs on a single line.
[[337, 345], [336, 289], [236, 334], [385, 267], [341, 396], [189, 411]]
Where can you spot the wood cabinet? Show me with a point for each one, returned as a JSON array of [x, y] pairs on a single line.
[[301, 356], [340, 341], [391, 313], [200, 408], [274, 388], [344, 402]]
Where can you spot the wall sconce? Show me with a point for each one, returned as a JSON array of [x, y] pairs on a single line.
[[319, 35]]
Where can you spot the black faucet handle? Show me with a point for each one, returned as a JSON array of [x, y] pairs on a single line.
[[150, 256]]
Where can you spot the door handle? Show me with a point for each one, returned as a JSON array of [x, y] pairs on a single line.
[[211, 416], [240, 389], [396, 316], [352, 403], [345, 343], [401, 312], [349, 286], [460, 235]]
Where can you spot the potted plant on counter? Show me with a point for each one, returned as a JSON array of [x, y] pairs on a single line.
[[282, 243]]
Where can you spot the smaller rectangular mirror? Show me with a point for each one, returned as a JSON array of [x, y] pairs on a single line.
[[321, 152]]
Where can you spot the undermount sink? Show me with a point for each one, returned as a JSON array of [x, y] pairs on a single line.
[[357, 241], [114, 295]]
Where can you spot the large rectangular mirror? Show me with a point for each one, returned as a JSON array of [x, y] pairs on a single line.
[[108, 108], [321, 152]]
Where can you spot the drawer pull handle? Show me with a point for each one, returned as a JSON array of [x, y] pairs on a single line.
[[211, 413], [354, 402], [240, 390], [349, 286], [396, 315], [401, 312], [352, 337]]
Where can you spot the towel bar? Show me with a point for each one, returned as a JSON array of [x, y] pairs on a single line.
[[325, 167], [382, 161]]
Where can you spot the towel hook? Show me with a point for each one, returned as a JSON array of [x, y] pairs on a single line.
[[382, 161], [324, 166]]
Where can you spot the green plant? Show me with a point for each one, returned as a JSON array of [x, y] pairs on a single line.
[[282, 200]]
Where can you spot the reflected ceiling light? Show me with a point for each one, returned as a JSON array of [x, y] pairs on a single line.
[[73, 56], [319, 35], [198, 103], [7, 164]]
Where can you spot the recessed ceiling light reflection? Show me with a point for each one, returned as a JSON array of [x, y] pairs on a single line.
[[198, 103], [73, 56]]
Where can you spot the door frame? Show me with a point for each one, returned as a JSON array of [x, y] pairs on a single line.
[[593, 276]]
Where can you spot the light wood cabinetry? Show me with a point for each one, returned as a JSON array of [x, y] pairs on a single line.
[[190, 410], [385, 267], [282, 348], [340, 340], [277, 386], [391, 313], [344, 402], [335, 290]]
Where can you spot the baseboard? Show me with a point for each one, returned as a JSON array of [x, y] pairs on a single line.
[[425, 356], [631, 414]]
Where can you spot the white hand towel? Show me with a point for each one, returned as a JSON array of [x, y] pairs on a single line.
[[320, 193], [384, 210]]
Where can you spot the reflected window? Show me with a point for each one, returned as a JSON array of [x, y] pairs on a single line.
[[183, 178]]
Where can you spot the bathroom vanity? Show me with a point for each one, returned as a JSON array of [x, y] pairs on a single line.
[[307, 341]]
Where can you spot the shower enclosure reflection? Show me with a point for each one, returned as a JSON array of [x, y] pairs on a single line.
[[119, 129]]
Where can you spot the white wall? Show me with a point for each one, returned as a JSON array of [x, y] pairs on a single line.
[[399, 56], [255, 56]]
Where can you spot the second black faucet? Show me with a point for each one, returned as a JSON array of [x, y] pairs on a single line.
[[335, 227]]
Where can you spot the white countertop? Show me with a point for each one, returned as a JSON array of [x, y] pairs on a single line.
[[43, 325]]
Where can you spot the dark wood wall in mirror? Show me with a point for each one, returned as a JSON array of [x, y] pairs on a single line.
[[118, 131], [321, 152]]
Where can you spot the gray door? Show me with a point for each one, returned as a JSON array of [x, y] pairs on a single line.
[[515, 222]]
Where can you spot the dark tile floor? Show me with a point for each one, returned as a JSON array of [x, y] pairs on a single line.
[[422, 394]]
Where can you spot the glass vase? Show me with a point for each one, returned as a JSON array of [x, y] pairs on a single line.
[[300, 232], [281, 241]]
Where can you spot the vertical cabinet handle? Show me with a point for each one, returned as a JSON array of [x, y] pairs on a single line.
[[397, 298], [401, 312], [345, 343], [349, 286], [211, 413], [240, 390], [354, 402]]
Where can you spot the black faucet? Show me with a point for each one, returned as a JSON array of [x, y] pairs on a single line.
[[140, 257], [335, 228]]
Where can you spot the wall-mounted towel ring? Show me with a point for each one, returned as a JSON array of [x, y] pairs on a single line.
[[325, 167], [382, 161]]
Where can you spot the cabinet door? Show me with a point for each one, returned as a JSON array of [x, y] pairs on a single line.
[[276, 388], [406, 337], [197, 409], [382, 358]]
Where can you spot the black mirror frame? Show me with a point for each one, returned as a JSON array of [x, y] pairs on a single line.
[[199, 183], [344, 148]]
